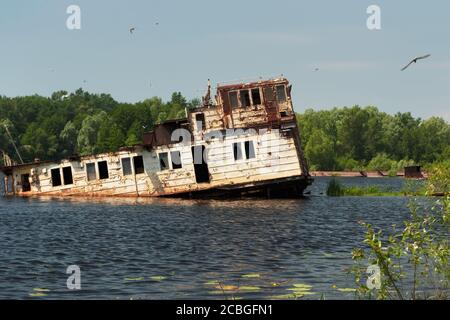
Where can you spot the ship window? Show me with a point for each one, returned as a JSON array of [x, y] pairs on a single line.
[[103, 170], [200, 121], [268, 94], [256, 97], [138, 162], [249, 150], [234, 102], [176, 160], [90, 169], [245, 98], [67, 175], [56, 177], [281, 93], [237, 151], [164, 161], [126, 167]]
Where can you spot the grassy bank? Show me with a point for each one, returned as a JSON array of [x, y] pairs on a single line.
[[336, 189]]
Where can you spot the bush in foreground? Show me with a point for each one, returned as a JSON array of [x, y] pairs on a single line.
[[413, 260]]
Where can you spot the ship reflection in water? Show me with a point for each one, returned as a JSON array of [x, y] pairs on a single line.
[[178, 249]]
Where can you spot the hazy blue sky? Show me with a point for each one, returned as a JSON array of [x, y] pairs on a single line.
[[229, 40]]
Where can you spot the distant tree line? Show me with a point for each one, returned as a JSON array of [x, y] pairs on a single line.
[[359, 138], [79, 123], [353, 138]]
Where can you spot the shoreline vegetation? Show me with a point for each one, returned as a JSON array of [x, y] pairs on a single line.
[[436, 185], [416, 188], [361, 174], [336, 188]]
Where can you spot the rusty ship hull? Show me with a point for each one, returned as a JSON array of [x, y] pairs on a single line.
[[247, 144]]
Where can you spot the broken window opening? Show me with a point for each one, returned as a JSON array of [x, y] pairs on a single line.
[[234, 102], [26, 186], [200, 166], [56, 177], [90, 170], [67, 175], [245, 98], [281, 93], [256, 97], [164, 161], [200, 121], [237, 151], [249, 150], [103, 170], [175, 157], [126, 167], [138, 162]]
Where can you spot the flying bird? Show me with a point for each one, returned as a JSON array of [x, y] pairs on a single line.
[[415, 61], [132, 30]]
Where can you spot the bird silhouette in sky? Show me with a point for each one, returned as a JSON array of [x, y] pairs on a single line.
[[415, 61], [132, 30]]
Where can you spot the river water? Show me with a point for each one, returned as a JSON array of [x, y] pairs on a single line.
[[182, 249]]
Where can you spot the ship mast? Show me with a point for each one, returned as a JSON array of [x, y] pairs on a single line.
[[207, 98], [13, 143]]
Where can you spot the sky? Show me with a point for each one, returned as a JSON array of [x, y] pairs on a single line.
[[178, 45]]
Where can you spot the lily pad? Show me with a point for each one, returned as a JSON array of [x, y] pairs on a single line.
[[302, 286], [284, 297], [227, 287], [158, 278], [37, 294], [134, 279], [275, 284], [217, 292], [252, 275], [249, 288], [302, 293]]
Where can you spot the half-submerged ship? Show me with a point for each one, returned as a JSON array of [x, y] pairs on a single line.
[[245, 143]]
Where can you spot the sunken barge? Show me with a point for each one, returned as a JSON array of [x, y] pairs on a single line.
[[244, 144]]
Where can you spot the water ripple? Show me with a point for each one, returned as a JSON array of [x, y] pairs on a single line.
[[177, 246]]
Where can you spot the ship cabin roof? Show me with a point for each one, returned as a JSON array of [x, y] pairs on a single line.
[[221, 87]]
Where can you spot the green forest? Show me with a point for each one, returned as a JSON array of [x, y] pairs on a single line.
[[79, 123], [359, 138], [353, 138]]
